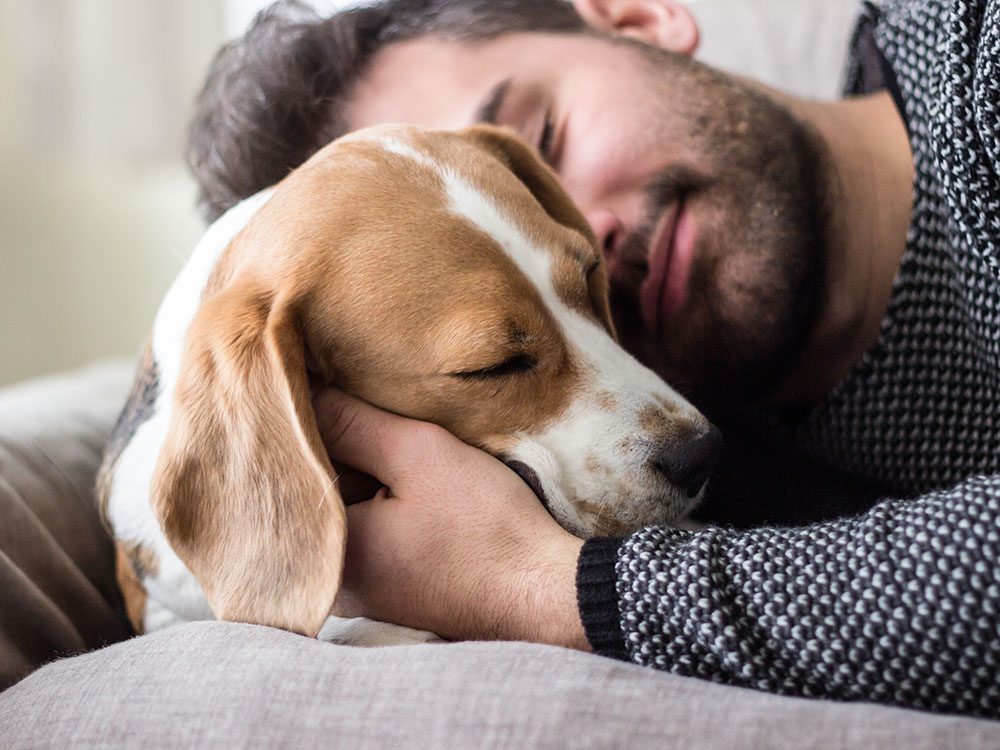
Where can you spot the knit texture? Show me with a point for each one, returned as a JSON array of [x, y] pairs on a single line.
[[597, 593], [900, 604]]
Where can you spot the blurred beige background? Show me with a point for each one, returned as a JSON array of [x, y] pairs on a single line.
[[96, 207]]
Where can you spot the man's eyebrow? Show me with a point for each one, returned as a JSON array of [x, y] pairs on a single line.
[[490, 108]]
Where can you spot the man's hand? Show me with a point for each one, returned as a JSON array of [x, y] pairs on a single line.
[[454, 542]]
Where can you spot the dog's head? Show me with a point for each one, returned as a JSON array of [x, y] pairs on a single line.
[[442, 276]]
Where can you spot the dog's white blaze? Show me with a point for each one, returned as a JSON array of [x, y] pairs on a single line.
[[394, 146], [173, 594]]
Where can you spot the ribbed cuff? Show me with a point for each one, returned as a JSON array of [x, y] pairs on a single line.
[[597, 596]]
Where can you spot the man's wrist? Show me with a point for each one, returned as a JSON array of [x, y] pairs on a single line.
[[565, 627], [547, 610]]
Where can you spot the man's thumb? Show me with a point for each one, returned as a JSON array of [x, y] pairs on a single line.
[[358, 434]]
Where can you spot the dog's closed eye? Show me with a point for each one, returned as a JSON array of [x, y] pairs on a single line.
[[517, 364]]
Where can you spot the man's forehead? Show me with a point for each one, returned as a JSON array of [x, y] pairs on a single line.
[[437, 83]]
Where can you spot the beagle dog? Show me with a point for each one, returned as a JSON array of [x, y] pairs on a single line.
[[444, 276]]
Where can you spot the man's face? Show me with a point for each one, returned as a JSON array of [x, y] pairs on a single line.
[[705, 194]]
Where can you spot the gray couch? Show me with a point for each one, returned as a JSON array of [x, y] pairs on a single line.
[[227, 685]]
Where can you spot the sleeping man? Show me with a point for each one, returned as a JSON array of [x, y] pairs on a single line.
[[823, 279]]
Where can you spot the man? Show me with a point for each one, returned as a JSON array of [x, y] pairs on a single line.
[[833, 293]]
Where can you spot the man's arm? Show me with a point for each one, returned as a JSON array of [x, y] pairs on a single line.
[[899, 605]]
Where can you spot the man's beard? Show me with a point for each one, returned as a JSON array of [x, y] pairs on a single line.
[[756, 281]]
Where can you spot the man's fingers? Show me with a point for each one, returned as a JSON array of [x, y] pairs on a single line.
[[354, 432], [364, 437]]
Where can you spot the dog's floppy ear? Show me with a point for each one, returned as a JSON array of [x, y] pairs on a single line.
[[517, 156], [243, 487]]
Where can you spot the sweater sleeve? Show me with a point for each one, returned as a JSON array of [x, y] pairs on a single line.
[[899, 605]]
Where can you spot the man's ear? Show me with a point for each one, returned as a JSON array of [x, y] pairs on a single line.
[[662, 23]]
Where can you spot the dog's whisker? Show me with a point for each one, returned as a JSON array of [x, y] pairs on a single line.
[[178, 254], [326, 491], [598, 518]]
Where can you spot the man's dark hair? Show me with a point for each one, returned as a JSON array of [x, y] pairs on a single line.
[[273, 97]]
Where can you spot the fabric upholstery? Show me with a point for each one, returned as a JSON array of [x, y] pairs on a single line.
[[56, 565], [226, 685]]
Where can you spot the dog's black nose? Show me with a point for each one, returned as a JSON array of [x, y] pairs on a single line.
[[687, 463]]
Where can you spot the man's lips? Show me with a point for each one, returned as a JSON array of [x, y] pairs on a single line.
[[664, 290]]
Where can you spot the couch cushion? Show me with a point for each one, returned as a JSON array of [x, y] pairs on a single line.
[[56, 569], [228, 685], [798, 46]]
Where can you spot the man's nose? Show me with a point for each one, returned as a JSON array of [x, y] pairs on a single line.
[[608, 228], [687, 463]]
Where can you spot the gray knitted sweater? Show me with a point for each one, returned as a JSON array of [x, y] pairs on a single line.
[[900, 603]]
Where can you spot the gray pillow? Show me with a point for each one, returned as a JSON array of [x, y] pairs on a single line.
[[214, 684]]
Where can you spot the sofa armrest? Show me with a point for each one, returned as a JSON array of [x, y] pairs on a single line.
[[56, 562]]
